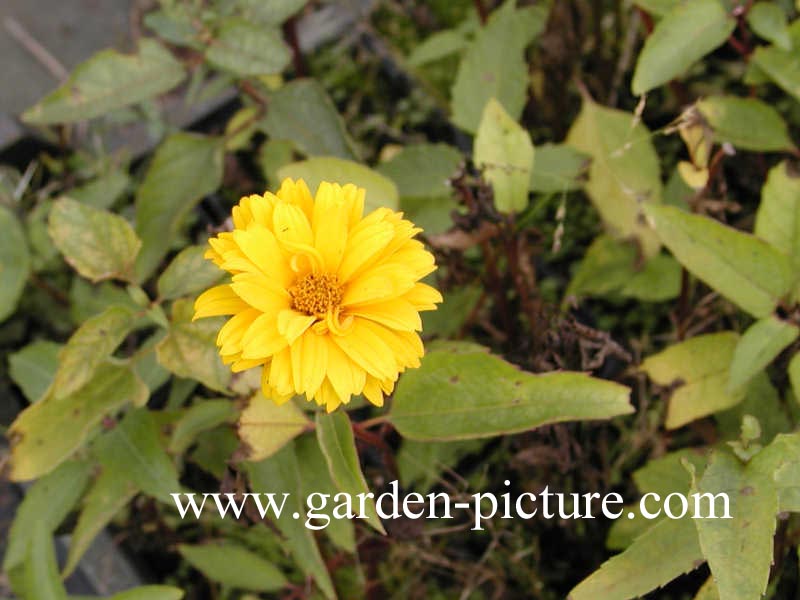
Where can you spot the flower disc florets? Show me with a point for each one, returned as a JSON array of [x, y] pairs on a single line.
[[325, 299]]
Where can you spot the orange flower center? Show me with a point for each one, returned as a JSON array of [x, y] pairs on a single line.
[[316, 294]]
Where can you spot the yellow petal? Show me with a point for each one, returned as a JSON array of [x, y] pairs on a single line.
[[423, 296], [372, 391], [346, 377], [382, 282], [262, 340], [297, 193], [364, 346], [330, 225], [292, 324], [261, 293], [280, 373], [396, 313], [260, 246], [230, 336], [364, 245], [309, 362], [219, 300]]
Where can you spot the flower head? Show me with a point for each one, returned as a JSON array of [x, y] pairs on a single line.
[[325, 299]]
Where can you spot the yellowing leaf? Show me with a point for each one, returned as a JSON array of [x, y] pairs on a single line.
[[624, 173], [758, 347], [741, 267], [504, 151], [234, 566], [96, 243], [685, 34], [108, 81], [700, 368], [188, 273], [494, 397], [747, 123], [15, 262], [40, 441], [265, 427]]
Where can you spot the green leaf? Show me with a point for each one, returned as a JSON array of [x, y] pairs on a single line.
[[685, 35], [739, 550], [335, 436], [15, 262], [315, 468], [103, 191], [188, 273], [133, 448], [657, 8], [437, 46], [422, 170], [708, 591], [186, 167], [758, 347], [494, 66], [150, 592], [761, 401], [668, 474], [625, 171], [96, 243], [273, 155], [33, 367], [768, 20], [40, 441], [302, 111], [381, 191], [741, 267], [88, 347], [48, 501], [778, 216], [794, 374], [41, 572], [700, 367], [558, 168], [747, 123], [609, 269], [110, 492], [108, 81], [273, 12], [665, 551], [205, 414], [422, 173], [503, 150], [462, 392], [234, 566], [265, 427], [189, 349], [247, 49], [781, 66], [281, 473]]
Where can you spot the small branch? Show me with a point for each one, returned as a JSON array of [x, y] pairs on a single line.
[[379, 420], [290, 33], [483, 14], [35, 48]]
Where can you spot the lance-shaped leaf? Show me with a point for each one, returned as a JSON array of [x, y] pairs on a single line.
[[203, 415], [747, 123], [768, 20], [624, 172], [235, 566], [279, 474], [15, 262], [504, 151], [189, 350], [335, 436], [461, 392], [738, 550], [186, 167], [685, 34], [699, 368], [133, 448], [265, 427], [41, 570], [740, 266], [150, 592], [48, 501], [758, 347], [39, 439], [665, 551], [778, 216], [109, 493], [96, 243], [108, 81], [781, 66], [88, 347]]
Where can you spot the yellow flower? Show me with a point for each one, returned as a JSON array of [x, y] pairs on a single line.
[[327, 300]]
